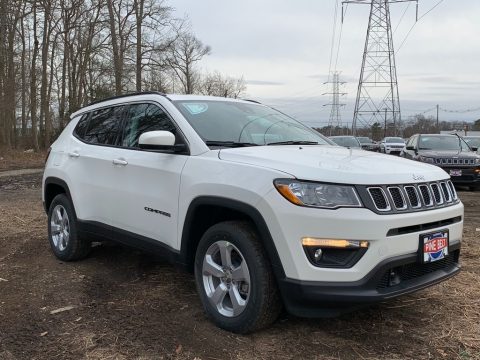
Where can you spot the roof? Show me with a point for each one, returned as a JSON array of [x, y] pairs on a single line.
[[114, 100]]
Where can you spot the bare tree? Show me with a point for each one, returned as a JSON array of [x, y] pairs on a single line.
[[184, 54], [216, 84]]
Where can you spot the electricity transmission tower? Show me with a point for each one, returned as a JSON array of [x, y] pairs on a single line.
[[335, 120], [377, 97]]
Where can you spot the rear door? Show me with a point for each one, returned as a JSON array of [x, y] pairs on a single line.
[[91, 167], [147, 184]]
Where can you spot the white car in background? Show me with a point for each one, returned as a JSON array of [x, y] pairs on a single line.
[[392, 145]]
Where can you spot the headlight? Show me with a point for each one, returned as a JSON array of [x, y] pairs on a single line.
[[327, 196], [426, 159], [477, 161]]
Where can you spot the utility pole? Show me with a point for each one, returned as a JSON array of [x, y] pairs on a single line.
[[378, 85], [438, 109], [335, 120]]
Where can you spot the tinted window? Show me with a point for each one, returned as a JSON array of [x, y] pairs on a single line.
[[104, 126], [81, 127], [142, 118]]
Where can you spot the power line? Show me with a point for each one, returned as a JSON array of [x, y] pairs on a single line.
[[415, 23], [333, 38]]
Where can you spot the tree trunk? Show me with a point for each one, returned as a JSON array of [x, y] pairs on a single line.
[[33, 82], [117, 61], [138, 4]]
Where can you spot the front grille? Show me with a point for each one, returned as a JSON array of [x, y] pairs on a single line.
[[399, 274], [410, 197], [453, 161]]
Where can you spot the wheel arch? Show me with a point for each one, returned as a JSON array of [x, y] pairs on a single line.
[[52, 187], [205, 211]]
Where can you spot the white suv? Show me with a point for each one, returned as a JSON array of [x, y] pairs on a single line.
[[265, 211]]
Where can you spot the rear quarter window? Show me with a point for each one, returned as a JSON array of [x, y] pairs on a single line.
[[81, 127], [104, 125]]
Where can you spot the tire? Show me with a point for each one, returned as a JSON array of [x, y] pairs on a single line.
[[258, 303], [65, 241]]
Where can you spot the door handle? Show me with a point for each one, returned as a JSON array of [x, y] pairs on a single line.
[[120, 162], [74, 154]]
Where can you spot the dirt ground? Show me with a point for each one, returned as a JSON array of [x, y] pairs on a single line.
[[122, 304]]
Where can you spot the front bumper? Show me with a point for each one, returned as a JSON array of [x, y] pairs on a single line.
[[469, 175], [326, 299]]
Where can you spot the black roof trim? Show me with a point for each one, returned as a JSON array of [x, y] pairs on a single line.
[[253, 101], [127, 95]]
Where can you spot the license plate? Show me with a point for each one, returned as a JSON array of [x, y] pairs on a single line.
[[434, 246], [455, 172]]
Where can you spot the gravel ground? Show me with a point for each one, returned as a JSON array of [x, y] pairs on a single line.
[[122, 304]]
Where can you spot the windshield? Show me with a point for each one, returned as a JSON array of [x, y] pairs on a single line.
[[247, 123], [346, 141], [364, 140], [472, 141], [395, 140], [442, 143]]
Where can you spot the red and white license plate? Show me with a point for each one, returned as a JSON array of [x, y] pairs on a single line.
[[455, 172], [434, 246]]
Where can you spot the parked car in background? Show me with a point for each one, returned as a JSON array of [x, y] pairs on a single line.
[[392, 145], [368, 144], [346, 141], [450, 152], [473, 142]]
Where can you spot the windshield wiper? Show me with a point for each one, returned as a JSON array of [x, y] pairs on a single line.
[[424, 148], [292, 142], [229, 143]]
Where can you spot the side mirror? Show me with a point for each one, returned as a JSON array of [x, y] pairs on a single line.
[[474, 148], [410, 147], [159, 140]]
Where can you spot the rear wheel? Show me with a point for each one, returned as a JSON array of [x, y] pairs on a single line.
[[234, 278], [66, 243]]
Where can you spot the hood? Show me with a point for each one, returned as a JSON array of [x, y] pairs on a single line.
[[449, 154], [335, 164]]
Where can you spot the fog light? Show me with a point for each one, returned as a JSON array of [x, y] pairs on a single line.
[[333, 243], [334, 253]]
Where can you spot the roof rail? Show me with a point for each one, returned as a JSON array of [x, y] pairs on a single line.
[[253, 101], [127, 95]]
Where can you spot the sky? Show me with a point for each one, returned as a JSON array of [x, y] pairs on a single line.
[[282, 49]]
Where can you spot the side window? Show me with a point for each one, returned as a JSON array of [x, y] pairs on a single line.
[[79, 130], [104, 126], [142, 118]]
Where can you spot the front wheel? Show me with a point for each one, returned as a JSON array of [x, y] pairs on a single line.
[[234, 278]]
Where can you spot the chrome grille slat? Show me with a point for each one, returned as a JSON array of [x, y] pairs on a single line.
[[413, 197], [426, 196], [452, 190], [379, 199], [437, 195], [397, 197], [446, 192]]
